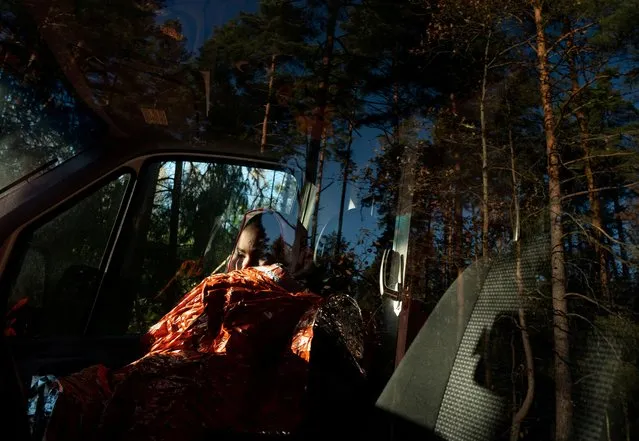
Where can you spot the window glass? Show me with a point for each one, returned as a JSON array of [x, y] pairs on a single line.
[[62, 261], [194, 220], [471, 165], [42, 120]]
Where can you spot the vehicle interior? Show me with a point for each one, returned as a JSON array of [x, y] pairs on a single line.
[[462, 176]]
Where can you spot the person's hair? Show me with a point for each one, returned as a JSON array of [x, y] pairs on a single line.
[[269, 232], [256, 222]]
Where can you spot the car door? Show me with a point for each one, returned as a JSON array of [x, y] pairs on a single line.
[[54, 269], [89, 276], [182, 229]]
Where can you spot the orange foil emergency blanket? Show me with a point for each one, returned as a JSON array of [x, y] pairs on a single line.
[[231, 355]]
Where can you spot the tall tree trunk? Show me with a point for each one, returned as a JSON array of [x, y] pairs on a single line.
[[520, 414], [396, 115], [318, 194], [319, 125], [396, 122], [345, 173], [621, 236], [593, 196], [174, 224], [561, 328], [174, 218], [267, 108], [484, 154]]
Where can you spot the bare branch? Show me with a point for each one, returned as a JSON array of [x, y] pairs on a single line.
[[588, 299], [597, 190], [599, 156], [586, 85], [569, 34], [508, 49]]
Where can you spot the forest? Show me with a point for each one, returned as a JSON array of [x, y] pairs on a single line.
[[520, 119]]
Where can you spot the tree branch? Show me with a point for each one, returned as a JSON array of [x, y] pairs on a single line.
[[597, 190], [599, 156], [568, 34]]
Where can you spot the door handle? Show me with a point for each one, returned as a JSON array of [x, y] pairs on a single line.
[[384, 289]]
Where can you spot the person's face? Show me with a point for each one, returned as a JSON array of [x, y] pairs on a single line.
[[250, 249]]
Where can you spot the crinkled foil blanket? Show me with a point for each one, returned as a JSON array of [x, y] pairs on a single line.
[[232, 355]]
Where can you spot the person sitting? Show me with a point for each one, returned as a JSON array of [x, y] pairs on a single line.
[[265, 238], [232, 355]]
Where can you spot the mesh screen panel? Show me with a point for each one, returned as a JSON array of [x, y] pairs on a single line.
[[470, 412], [453, 397], [598, 359]]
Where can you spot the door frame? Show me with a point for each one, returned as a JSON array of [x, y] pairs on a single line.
[[50, 193]]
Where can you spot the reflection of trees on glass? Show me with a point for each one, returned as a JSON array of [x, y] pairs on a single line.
[[133, 63], [531, 131], [197, 211], [41, 119], [522, 117], [64, 253]]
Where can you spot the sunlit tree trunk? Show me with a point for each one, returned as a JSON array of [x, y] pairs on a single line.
[[267, 108], [484, 155], [319, 191], [561, 328], [593, 197]]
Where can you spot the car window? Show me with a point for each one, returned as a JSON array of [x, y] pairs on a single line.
[[466, 171], [58, 264], [43, 122], [193, 216]]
